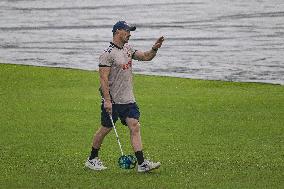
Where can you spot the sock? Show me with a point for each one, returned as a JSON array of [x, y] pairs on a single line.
[[94, 153], [140, 157]]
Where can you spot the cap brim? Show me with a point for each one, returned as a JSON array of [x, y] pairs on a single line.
[[132, 28]]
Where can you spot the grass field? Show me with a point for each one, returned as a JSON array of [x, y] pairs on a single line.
[[206, 134]]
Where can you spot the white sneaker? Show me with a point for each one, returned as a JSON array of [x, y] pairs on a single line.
[[95, 164], [148, 166]]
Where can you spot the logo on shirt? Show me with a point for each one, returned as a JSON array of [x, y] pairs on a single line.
[[127, 66], [129, 63], [129, 54]]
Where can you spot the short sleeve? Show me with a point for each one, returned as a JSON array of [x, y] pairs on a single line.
[[105, 60], [131, 50]]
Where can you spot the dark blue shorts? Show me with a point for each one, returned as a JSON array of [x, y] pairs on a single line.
[[121, 111]]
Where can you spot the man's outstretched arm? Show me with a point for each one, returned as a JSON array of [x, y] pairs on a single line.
[[149, 55]]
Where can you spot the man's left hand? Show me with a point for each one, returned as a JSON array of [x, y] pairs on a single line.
[[159, 43]]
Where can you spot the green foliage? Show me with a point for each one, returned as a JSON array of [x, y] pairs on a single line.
[[206, 134]]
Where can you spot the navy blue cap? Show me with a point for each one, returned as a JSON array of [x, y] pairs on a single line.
[[122, 25]]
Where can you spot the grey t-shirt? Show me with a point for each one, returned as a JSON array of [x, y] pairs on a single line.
[[120, 77]]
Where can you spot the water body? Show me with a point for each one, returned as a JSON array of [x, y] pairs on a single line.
[[232, 40]]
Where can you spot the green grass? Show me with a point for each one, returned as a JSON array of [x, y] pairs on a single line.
[[207, 134]]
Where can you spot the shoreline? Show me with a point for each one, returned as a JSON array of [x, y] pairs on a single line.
[[150, 74]]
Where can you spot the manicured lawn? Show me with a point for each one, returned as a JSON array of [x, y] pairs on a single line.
[[206, 134]]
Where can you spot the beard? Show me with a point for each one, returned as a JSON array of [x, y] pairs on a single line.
[[126, 38]]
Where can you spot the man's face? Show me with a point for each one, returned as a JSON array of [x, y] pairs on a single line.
[[124, 35]]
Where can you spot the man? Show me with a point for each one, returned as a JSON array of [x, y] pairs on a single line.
[[115, 69]]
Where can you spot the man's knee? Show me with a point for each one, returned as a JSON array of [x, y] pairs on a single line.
[[133, 125], [103, 131]]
